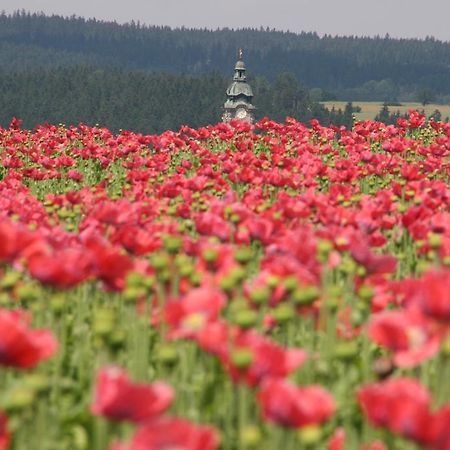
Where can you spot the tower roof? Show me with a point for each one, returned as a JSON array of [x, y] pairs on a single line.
[[239, 87]]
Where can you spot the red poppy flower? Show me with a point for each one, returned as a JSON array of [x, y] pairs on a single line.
[[416, 120], [215, 337], [174, 433], [412, 337], [4, 433], [337, 441], [117, 398], [372, 262], [20, 346], [440, 430], [268, 359], [431, 295], [111, 266], [210, 224], [62, 269], [401, 405], [13, 239], [190, 313], [292, 406]]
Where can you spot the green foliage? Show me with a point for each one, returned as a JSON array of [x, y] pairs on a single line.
[[141, 101], [377, 68]]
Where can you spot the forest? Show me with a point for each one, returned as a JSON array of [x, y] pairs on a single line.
[[147, 102], [152, 78]]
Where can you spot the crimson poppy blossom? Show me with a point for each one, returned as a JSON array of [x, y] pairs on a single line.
[[337, 441], [291, 406], [412, 337], [118, 398], [174, 433], [14, 239], [191, 312], [5, 436], [401, 405], [440, 432], [372, 262], [21, 346], [62, 269], [432, 295], [269, 360]]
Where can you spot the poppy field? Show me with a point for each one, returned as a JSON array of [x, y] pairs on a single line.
[[233, 287]]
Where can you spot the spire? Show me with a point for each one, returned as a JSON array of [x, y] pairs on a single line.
[[239, 69], [239, 95]]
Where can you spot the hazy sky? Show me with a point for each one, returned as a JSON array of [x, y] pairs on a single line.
[[399, 18]]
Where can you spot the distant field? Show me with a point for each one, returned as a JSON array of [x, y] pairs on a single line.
[[370, 109]]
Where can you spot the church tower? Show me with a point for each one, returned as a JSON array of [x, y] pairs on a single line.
[[239, 96]]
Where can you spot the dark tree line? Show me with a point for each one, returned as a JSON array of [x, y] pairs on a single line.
[[143, 101], [353, 68]]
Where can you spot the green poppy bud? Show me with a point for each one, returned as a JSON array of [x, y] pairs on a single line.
[[310, 435], [242, 358]]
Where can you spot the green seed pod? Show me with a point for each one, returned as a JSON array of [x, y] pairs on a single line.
[[117, 339], [250, 437], [5, 299], [210, 255], [324, 248], [310, 435], [290, 283], [80, 438], [172, 210], [69, 227], [322, 368], [332, 304], [57, 303], [148, 282], [164, 275], [10, 279], [243, 255], [242, 358], [246, 318], [366, 292], [235, 218], [361, 271], [446, 348], [134, 279], [63, 213], [402, 208], [173, 244], [283, 313], [435, 240], [196, 278], [37, 382], [167, 354], [260, 295], [160, 261], [27, 293], [305, 295], [346, 351], [186, 270], [131, 294], [273, 281], [238, 273], [18, 399], [357, 317], [104, 322]]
